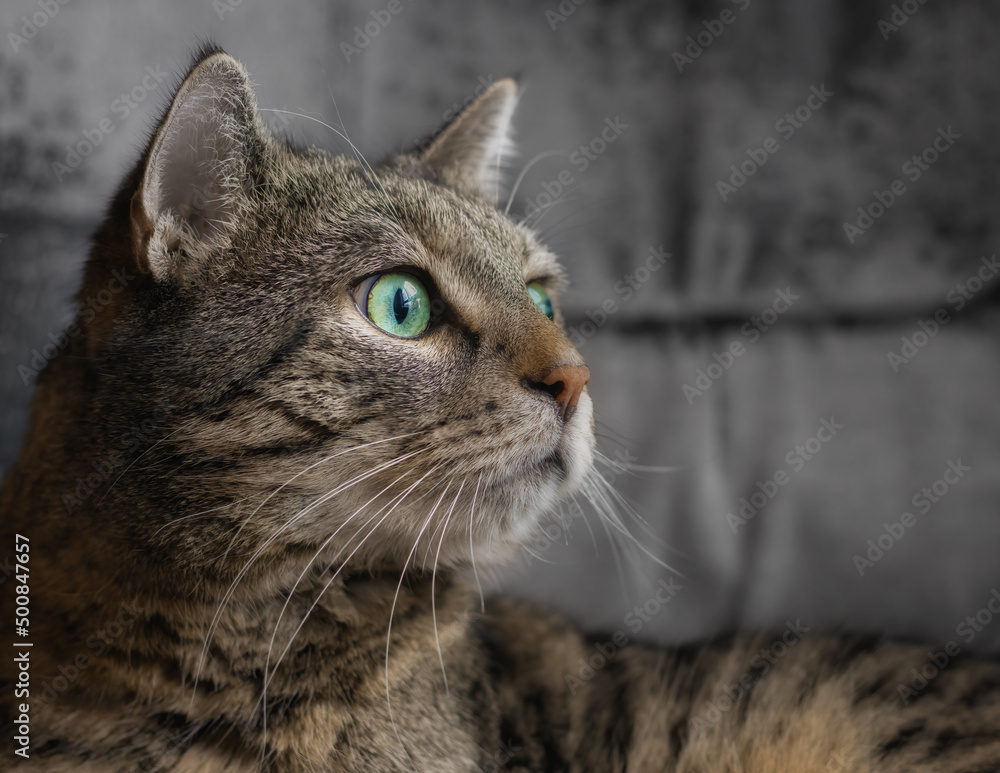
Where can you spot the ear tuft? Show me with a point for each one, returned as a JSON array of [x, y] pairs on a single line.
[[198, 170], [468, 153]]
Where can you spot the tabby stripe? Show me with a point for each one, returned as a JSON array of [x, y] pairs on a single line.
[[243, 387], [610, 696], [808, 689], [743, 701], [688, 661], [545, 732], [678, 736], [688, 664], [983, 688], [901, 740], [50, 748], [869, 690], [844, 658], [948, 740]]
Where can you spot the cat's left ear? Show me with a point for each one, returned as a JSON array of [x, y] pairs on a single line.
[[468, 153], [199, 171]]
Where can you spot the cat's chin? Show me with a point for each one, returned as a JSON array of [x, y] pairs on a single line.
[[577, 447], [544, 486]]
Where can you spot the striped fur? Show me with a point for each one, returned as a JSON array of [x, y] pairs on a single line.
[[249, 510]]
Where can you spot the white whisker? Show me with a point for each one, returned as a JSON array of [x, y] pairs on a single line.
[[537, 557], [303, 472], [360, 156], [263, 547], [291, 592], [136, 460], [343, 135], [524, 171], [590, 529], [175, 521], [392, 610], [620, 466], [472, 550], [606, 512], [395, 502], [437, 556]]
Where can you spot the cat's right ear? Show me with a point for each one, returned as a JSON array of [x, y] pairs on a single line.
[[198, 172], [468, 153]]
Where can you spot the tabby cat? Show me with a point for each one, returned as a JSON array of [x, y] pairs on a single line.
[[305, 386]]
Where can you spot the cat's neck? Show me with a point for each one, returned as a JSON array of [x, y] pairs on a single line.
[[329, 639]]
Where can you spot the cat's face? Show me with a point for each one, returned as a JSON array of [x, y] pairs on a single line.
[[350, 363]]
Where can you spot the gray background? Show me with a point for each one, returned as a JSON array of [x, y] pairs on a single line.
[[655, 185]]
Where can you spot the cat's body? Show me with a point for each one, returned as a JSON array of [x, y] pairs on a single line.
[[234, 480]]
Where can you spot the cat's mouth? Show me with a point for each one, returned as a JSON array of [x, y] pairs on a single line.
[[571, 454], [561, 462]]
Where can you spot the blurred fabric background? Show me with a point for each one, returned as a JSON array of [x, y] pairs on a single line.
[[738, 139]]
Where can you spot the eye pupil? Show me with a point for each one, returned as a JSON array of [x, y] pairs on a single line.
[[400, 305]]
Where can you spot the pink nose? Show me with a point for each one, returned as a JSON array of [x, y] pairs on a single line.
[[566, 383]]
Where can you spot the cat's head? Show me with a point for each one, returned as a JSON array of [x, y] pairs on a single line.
[[336, 358]]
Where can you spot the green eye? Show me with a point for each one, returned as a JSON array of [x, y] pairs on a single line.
[[541, 299], [399, 304]]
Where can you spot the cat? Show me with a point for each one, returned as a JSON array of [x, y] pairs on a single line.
[[312, 395]]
